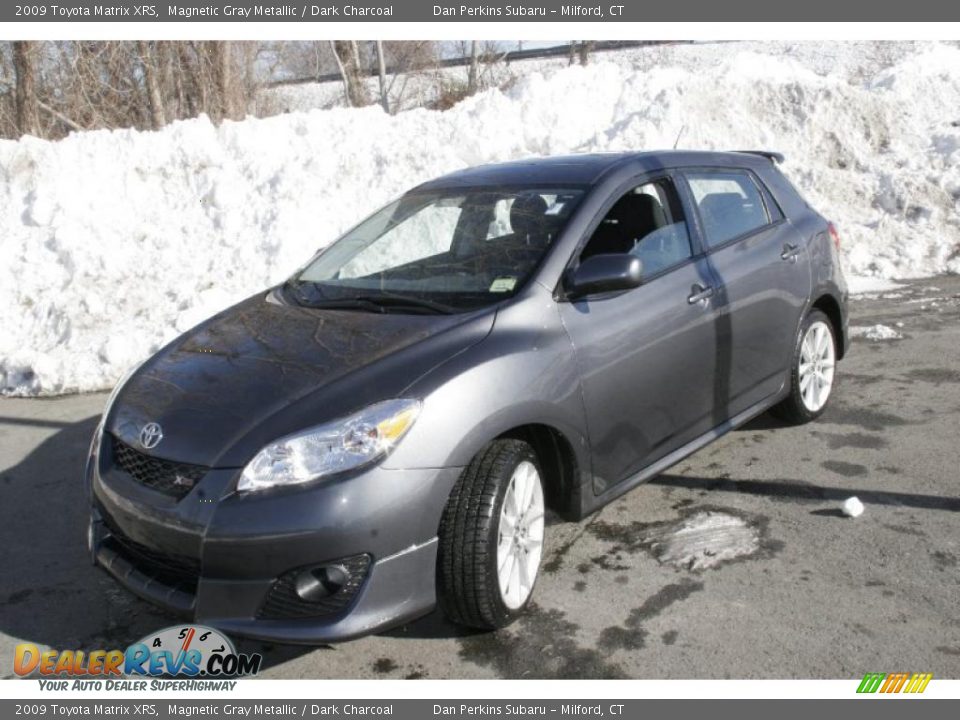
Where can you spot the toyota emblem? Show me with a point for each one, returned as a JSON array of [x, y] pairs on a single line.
[[150, 436]]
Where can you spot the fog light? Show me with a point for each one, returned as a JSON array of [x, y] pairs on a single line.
[[318, 583]]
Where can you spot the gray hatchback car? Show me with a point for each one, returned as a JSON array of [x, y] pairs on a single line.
[[384, 432]]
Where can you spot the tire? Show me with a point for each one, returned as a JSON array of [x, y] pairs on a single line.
[[811, 368], [477, 538]]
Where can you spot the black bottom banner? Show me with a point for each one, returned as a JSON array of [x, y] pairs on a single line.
[[876, 709]]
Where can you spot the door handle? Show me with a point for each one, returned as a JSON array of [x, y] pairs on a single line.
[[790, 252], [699, 294]]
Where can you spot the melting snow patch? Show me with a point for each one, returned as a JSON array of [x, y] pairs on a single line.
[[705, 540], [876, 332], [859, 285]]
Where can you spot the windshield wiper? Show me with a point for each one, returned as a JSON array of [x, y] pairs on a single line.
[[296, 289], [379, 303], [403, 301], [309, 294]]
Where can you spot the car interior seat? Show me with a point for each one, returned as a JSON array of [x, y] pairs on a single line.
[[528, 215], [633, 217]]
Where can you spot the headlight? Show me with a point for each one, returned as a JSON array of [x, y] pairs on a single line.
[[332, 448]]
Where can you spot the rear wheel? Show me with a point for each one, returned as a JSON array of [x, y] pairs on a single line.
[[813, 371], [491, 537]]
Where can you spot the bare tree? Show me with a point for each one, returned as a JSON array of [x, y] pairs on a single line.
[[152, 84], [8, 100], [24, 63], [189, 66], [586, 46], [222, 73], [410, 62], [290, 61], [51, 88], [473, 78], [382, 72], [348, 60], [343, 73]]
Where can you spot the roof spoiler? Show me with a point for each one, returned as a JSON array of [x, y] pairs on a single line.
[[774, 157]]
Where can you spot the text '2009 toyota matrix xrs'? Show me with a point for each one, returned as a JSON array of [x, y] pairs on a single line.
[[384, 431]]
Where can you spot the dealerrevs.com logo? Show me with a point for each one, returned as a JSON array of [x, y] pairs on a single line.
[[203, 656]]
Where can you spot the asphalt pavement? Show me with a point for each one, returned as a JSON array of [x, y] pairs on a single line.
[[806, 592]]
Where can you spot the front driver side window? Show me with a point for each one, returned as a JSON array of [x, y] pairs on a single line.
[[647, 222]]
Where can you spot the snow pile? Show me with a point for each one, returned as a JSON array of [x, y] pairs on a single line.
[[875, 332], [854, 60], [114, 242]]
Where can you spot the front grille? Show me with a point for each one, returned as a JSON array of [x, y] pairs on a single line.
[[165, 476], [283, 603], [175, 571]]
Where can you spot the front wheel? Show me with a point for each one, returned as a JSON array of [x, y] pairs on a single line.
[[812, 372], [491, 537]]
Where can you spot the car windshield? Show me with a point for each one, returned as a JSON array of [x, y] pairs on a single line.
[[439, 251]]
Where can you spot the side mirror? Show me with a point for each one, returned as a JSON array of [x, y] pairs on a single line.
[[604, 273]]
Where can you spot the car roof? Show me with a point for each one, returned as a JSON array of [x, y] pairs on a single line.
[[587, 169]]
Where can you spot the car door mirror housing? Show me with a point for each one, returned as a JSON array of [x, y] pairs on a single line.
[[604, 273]]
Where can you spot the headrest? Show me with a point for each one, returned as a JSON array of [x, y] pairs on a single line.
[[719, 204], [635, 215], [527, 214], [650, 209]]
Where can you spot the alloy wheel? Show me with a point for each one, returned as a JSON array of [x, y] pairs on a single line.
[[520, 535], [817, 360]]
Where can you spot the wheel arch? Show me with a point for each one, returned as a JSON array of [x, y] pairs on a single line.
[[558, 463], [828, 305]]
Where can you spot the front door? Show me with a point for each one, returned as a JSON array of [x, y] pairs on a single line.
[[646, 356]]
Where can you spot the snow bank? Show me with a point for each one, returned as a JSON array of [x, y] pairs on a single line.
[[114, 242]]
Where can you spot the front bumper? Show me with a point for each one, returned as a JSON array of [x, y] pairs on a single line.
[[216, 556]]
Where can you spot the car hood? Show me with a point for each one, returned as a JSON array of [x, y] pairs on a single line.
[[264, 369]]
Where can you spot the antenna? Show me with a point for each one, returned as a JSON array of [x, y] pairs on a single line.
[[679, 135]]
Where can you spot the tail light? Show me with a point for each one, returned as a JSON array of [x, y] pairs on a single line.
[[832, 229]]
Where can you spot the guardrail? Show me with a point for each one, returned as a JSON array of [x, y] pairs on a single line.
[[507, 57]]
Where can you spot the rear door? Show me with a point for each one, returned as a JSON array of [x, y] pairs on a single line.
[[646, 356], [763, 268]]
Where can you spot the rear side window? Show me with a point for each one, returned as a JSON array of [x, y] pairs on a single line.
[[730, 204]]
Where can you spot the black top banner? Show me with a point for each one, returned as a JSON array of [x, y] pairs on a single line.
[[479, 11]]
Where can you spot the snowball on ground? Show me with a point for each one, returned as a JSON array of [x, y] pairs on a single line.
[[852, 507]]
